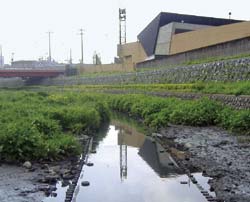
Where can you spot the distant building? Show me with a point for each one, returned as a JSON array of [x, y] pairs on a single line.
[[34, 64], [170, 34], [166, 25]]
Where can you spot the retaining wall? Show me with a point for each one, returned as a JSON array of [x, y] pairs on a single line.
[[11, 83], [229, 70], [238, 102]]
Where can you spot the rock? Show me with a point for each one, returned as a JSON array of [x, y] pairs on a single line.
[[45, 167], [85, 183], [90, 164], [50, 179], [188, 145], [65, 183], [157, 135], [56, 169], [27, 165], [184, 182], [43, 187], [67, 176], [64, 172]]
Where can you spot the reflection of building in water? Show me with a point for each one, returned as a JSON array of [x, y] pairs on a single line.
[[161, 163], [123, 156], [127, 136]]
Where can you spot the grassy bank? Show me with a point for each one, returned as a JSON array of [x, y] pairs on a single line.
[[233, 88], [158, 112], [40, 125], [36, 126]]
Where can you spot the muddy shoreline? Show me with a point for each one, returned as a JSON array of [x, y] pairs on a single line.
[[217, 154], [21, 184], [210, 150], [35, 184]]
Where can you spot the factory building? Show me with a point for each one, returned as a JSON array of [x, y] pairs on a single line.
[[182, 37]]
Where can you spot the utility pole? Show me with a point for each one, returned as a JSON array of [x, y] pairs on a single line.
[[70, 56], [49, 33], [81, 33], [1, 56], [12, 58]]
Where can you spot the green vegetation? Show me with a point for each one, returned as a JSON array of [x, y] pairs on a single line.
[[36, 126], [46, 126], [234, 88], [157, 112], [214, 59]]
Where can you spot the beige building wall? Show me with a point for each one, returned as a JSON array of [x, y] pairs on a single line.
[[208, 36], [131, 53], [104, 68], [166, 32]]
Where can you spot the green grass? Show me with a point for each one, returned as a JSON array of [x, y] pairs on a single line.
[[233, 88], [215, 59], [158, 112], [46, 125], [36, 126]]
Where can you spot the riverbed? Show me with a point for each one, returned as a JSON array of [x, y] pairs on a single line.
[[127, 166]]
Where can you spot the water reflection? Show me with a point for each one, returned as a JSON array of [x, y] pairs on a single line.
[[127, 136], [127, 167], [162, 164]]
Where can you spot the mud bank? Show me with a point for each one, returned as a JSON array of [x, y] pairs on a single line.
[[15, 184], [19, 184], [217, 154]]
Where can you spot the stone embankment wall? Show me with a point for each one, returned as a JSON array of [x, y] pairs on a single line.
[[11, 83], [237, 102], [228, 70]]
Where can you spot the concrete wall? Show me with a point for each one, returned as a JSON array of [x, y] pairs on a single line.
[[208, 36], [105, 68], [164, 39], [236, 47], [131, 53], [11, 83]]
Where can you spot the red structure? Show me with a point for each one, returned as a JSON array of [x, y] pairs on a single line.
[[30, 73]]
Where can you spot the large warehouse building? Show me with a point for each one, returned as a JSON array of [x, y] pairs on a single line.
[[178, 38]]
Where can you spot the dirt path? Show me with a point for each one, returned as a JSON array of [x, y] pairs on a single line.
[[219, 155]]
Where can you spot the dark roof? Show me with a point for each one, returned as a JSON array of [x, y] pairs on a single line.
[[149, 35]]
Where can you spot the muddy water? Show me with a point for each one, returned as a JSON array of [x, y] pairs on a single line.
[[127, 167]]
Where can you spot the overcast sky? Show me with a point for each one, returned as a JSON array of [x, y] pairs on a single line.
[[24, 24]]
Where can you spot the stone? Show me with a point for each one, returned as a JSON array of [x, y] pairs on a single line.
[[184, 182], [85, 183], [27, 165], [90, 164]]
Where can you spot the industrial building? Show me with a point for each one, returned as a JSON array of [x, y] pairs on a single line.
[[35, 64], [177, 38]]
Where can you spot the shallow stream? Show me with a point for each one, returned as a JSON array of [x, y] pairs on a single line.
[[128, 167]]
